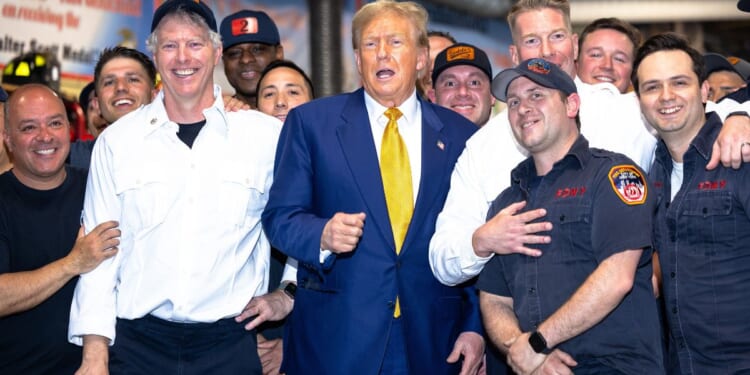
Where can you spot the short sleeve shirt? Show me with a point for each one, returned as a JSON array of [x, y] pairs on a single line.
[[599, 205]]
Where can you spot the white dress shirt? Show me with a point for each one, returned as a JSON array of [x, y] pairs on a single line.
[[609, 120], [409, 127], [192, 246]]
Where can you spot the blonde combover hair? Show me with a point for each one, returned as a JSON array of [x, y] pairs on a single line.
[[563, 6], [408, 9]]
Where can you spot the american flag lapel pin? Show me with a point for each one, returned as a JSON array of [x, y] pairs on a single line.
[[441, 145]]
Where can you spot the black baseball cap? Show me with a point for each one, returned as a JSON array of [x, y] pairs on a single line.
[[249, 26], [744, 5], [195, 6], [538, 70], [716, 63], [461, 54], [83, 97]]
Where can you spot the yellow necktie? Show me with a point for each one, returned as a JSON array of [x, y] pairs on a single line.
[[396, 173]]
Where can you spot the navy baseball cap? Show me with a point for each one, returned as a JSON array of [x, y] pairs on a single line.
[[194, 6], [744, 5], [83, 97], [3, 95], [461, 54], [538, 70], [741, 66], [249, 26], [717, 63]]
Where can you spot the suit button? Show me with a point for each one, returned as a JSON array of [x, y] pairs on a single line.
[[391, 304], [398, 264], [532, 290], [671, 274]]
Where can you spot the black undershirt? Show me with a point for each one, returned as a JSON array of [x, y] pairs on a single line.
[[188, 132]]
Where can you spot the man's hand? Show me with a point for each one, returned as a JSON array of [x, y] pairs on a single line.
[[557, 363], [471, 346], [732, 146], [95, 356], [91, 249], [272, 306], [521, 357], [341, 234], [232, 104], [509, 232], [270, 353]]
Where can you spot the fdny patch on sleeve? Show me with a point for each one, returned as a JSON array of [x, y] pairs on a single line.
[[628, 183]]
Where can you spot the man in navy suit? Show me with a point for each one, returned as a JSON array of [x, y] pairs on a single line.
[[367, 302]]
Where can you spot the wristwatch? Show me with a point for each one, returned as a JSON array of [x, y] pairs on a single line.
[[538, 343], [289, 288]]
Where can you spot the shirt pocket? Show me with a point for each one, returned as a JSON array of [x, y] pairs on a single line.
[[241, 195], [145, 196], [706, 220], [571, 233]]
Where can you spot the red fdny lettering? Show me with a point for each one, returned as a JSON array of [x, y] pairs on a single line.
[[570, 192], [712, 185]]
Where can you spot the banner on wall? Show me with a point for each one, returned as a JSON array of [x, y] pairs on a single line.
[[75, 31]]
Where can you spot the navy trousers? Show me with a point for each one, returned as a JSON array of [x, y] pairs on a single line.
[[154, 346]]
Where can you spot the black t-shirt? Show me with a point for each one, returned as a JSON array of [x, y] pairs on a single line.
[[37, 228]]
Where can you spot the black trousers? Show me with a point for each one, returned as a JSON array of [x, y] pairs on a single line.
[[154, 346]]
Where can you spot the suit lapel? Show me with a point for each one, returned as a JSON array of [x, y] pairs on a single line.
[[355, 138], [435, 148]]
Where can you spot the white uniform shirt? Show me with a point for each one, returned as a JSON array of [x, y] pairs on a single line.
[[609, 120], [192, 246]]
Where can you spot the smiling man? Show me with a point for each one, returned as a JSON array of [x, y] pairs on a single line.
[[702, 226], [461, 81], [605, 52], [187, 181], [124, 80], [251, 41], [586, 303], [40, 254]]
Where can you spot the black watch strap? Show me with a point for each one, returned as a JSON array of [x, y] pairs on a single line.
[[538, 343], [290, 289]]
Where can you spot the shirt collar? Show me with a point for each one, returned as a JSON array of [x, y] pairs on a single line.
[[157, 114], [408, 109], [703, 142], [579, 154]]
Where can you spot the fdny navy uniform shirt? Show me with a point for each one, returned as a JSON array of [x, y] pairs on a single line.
[[599, 205], [703, 242]]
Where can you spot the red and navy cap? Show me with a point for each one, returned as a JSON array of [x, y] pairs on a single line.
[[538, 70], [194, 6], [249, 26]]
